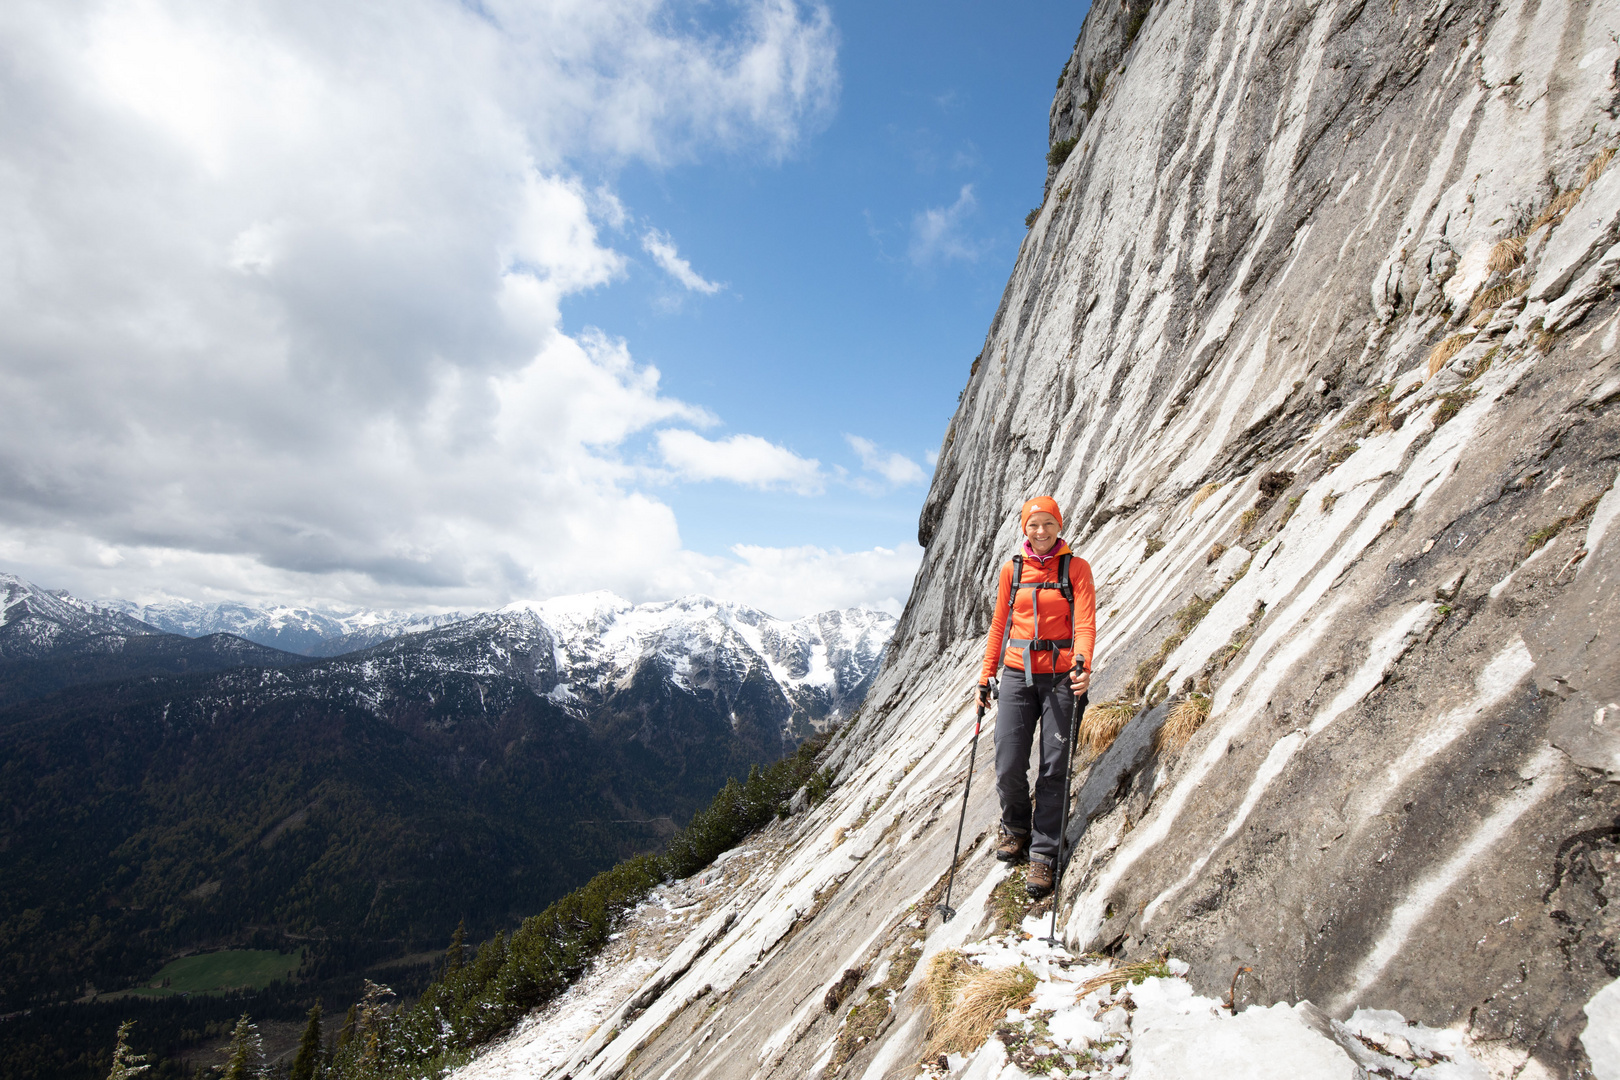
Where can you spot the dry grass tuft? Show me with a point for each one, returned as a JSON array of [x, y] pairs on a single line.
[[1204, 493], [1555, 210], [1189, 616], [1381, 419], [947, 971], [1508, 254], [1445, 350], [978, 1002], [1102, 724], [1486, 303], [1142, 677], [1248, 519], [1595, 167], [1133, 972], [1216, 550], [1186, 717]]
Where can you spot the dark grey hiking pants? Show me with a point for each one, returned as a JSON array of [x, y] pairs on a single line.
[[1049, 705]]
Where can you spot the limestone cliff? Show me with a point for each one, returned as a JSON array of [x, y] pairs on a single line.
[[1314, 339]]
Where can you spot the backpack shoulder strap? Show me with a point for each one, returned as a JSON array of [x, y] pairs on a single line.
[[1012, 602], [1067, 586]]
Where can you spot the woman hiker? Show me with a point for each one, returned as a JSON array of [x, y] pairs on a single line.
[[1043, 652]]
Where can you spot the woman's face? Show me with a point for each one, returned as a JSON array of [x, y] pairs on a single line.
[[1042, 530]]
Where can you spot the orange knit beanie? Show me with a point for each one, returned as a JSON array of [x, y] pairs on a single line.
[[1037, 505]]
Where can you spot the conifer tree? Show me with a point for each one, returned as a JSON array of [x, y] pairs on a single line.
[[307, 1065], [373, 1008], [126, 1062], [346, 1032], [247, 1052], [455, 955]]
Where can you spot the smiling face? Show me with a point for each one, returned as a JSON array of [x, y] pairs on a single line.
[[1042, 530]]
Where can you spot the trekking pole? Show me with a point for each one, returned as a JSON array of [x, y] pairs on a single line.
[[1063, 830], [944, 907]]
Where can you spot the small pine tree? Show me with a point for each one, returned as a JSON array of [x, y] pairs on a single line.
[[456, 954], [373, 1009], [307, 1065], [346, 1032], [126, 1062], [247, 1052]]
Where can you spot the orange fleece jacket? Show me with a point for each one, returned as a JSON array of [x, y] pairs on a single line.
[[1054, 613]]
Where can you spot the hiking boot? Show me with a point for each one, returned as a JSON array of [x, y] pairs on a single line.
[[1038, 879], [1012, 847]]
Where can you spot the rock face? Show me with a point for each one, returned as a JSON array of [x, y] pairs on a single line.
[[1330, 283]]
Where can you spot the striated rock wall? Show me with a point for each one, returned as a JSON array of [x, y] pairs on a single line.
[[1315, 341]]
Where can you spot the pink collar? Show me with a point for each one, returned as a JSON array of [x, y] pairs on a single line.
[[1057, 549]]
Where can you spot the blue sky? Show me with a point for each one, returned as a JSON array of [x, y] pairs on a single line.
[[837, 317], [422, 305]]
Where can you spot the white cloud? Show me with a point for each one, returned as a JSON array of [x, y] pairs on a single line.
[[662, 249], [279, 284], [742, 459], [797, 581], [938, 234], [895, 468]]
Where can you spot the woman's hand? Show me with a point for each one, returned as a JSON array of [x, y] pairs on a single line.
[[1080, 679]]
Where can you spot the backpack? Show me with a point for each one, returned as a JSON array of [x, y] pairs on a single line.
[[1030, 646]]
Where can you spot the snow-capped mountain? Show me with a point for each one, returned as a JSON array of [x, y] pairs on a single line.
[[822, 663], [581, 650], [34, 621], [598, 656], [308, 631]]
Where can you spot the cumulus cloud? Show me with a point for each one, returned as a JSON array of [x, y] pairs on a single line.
[[895, 468], [938, 234], [742, 459], [803, 580], [280, 283], [662, 249]]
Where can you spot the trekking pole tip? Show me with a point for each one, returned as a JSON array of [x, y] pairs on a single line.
[[946, 913]]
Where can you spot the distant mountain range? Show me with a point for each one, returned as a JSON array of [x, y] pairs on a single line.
[[822, 663], [302, 630], [166, 792], [35, 622]]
